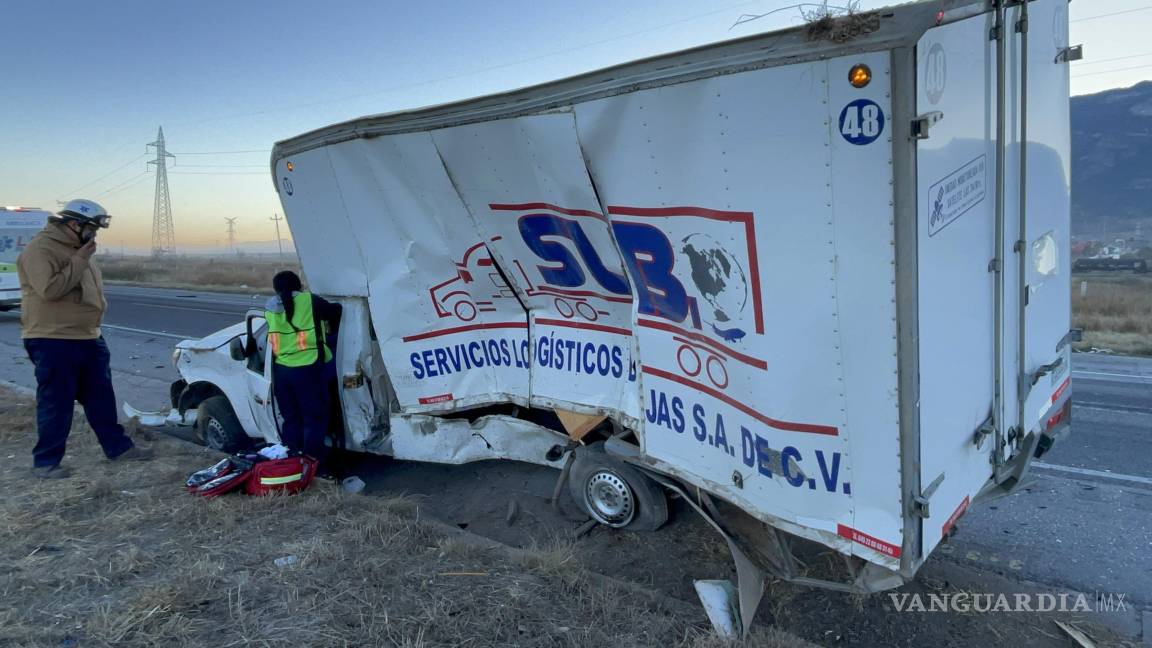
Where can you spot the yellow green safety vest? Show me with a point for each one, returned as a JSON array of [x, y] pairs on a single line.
[[295, 347]]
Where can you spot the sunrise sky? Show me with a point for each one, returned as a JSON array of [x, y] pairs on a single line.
[[85, 85]]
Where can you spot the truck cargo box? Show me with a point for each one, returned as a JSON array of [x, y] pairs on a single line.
[[820, 274]]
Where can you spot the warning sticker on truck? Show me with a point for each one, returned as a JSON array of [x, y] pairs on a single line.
[[957, 193]]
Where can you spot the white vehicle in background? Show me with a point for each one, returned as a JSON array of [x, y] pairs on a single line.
[[17, 227], [805, 279]]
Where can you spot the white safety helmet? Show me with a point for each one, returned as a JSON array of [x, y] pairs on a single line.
[[85, 211]]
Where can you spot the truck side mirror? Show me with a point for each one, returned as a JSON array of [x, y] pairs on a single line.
[[236, 349]]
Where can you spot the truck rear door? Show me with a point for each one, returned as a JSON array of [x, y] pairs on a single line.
[[956, 79]]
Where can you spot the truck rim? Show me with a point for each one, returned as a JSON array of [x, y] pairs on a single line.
[[610, 499]]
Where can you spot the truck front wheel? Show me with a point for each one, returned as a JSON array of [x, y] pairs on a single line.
[[616, 494], [218, 426]]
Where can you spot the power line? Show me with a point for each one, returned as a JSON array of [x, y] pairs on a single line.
[[1082, 63], [1124, 69], [1109, 15], [127, 186], [110, 173], [239, 173], [225, 152], [476, 71], [219, 166], [123, 184]]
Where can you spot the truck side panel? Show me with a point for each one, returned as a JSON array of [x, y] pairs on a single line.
[[451, 332], [744, 372]]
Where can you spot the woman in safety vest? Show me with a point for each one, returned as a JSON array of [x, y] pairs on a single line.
[[298, 325]]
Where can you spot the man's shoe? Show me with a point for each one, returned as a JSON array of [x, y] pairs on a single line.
[[51, 472], [135, 453]]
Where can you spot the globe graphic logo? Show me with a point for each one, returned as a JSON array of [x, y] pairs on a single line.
[[718, 277]]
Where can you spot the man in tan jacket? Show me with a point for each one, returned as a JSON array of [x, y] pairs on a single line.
[[63, 305]]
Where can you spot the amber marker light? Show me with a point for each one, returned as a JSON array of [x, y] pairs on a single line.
[[860, 75]]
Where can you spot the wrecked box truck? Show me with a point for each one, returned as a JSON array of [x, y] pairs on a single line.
[[817, 276]]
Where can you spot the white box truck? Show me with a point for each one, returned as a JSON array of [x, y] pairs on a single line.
[[17, 227], [819, 276]]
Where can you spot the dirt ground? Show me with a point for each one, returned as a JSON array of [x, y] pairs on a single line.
[[119, 555], [477, 497]]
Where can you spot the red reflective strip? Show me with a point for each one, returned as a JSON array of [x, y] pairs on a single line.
[[1063, 386], [431, 400], [301, 340], [274, 338], [876, 544], [951, 521]]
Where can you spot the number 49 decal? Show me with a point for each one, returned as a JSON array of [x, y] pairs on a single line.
[[861, 122]]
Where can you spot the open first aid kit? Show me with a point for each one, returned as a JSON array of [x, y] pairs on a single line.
[[269, 470]]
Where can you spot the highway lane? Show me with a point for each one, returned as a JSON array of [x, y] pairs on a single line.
[[176, 312]]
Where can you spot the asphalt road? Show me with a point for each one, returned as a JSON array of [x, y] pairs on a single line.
[[1083, 523], [176, 312]]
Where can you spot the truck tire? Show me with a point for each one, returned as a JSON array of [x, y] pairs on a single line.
[[615, 494], [218, 426]]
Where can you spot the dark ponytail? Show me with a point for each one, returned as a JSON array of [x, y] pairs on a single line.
[[285, 283]]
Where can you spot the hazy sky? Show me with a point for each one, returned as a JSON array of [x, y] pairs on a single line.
[[84, 84]]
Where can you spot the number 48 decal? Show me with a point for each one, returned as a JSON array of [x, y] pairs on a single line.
[[861, 122]]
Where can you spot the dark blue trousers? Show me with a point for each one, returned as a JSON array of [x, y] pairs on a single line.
[[302, 396], [67, 372]]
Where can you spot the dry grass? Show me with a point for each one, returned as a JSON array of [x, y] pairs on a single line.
[[120, 556], [200, 273], [1115, 313]]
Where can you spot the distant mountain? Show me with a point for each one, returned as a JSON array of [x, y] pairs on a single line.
[[1112, 161]]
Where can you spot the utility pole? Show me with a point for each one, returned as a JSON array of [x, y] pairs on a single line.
[[163, 232], [231, 234], [276, 218]]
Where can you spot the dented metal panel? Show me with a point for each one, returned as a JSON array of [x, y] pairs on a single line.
[[457, 441], [526, 186], [452, 332]]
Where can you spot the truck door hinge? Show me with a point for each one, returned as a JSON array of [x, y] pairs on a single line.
[[985, 430], [1018, 247], [920, 502], [1044, 370], [994, 33], [1069, 54], [994, 265], [1022, 26], [922, 124]]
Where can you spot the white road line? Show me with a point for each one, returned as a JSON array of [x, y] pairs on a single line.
[[143, 332], [1135, 479], [1138, 377], [191, 307]]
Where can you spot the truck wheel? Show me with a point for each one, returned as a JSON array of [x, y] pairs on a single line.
[[614, 493], [218, 426]]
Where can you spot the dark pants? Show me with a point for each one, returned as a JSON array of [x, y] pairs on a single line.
[[302, 396], [70, 371]]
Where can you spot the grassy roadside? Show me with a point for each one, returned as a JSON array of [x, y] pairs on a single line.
[[231, 274], [1114, 311], [119, 556]]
